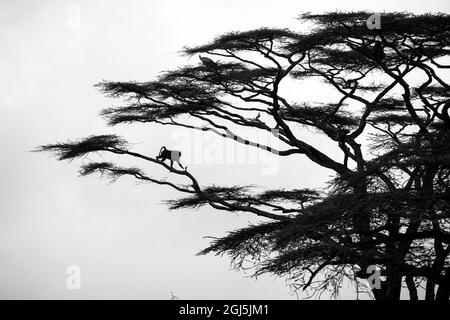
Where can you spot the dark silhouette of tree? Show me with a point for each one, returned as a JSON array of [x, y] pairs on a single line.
[[388, 205]]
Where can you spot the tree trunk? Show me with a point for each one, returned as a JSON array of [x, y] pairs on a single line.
[[429, 290], [390, 289], [443, 292], [394, 288], [411, 288]]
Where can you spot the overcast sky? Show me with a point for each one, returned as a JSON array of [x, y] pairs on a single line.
[[126, 242]]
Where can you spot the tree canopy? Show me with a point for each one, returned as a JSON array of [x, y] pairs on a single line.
[[388, 205]]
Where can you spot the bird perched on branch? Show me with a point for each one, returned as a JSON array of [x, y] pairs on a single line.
[[208, 63]]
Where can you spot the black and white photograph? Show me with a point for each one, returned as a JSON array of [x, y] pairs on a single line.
[[245, 151]]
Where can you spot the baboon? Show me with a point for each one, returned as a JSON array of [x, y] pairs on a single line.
[[172, 155]]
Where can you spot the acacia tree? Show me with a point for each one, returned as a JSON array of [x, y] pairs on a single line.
[[388, 205]]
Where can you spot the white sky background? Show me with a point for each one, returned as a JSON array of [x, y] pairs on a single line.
[[127, 243]]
